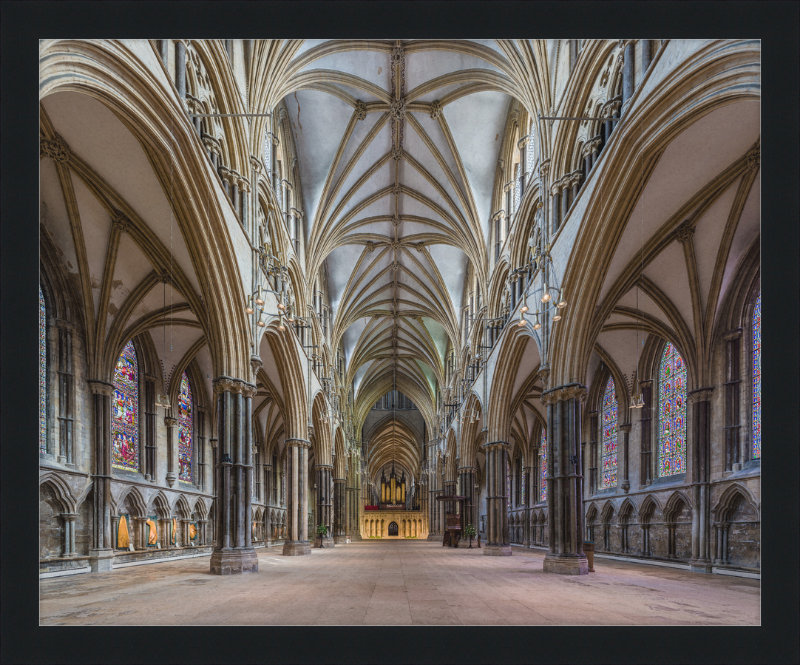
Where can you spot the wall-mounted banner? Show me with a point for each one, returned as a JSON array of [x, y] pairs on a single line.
[[123, 533], [152, 530]]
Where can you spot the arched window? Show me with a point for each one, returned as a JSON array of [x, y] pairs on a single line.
[[125, 420], [42, 374], [609, 434], [185, 431], [671, 413], [756, 450], [543, 466]]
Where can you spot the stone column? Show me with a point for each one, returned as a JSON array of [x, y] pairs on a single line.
[[163, 51], [233, 550], [324, 502], [496, 500], [575, 181], [202, 536], [267, 470], [66, 397], [138, 536], [625, 483], [339, 532], [628, 72], [646, 55], [564, 480], [297, 498], [466, 485], [733, 379], [150, 427], [69, 534], [526, 479], [701, 468], [565, 198], [556, 192], [180, 68], [645, 473], [170, 423], [593, 431], [101, 553]]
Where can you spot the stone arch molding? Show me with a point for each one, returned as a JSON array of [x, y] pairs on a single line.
[[148, 108]]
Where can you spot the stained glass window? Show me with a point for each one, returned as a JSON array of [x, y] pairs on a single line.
[[125, 421], [543, 466], [185, 438], [672, 413], [522, 482], [609, 434], [756, 452], [42, 374]]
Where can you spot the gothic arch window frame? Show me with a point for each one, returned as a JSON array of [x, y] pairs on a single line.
[[659, 411], [754, 346], [44, 372], [182, 427], [137, 409], [604, 437]]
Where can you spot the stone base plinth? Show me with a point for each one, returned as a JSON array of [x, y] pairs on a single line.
[[325, 542], [340, 540], [497, 550], [464, 542], [563, 564], [234, 561], [101, 561], [435, 537], [296, 548], [699, 566]]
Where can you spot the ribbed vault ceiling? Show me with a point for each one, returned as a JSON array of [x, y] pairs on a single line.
[[398, 145]]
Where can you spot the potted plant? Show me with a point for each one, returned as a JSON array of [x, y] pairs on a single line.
[[319, 541], [470, 532]]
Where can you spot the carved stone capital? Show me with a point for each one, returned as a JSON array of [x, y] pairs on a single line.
[[564, 393], [496, 445], [685, 232], [467, 469], [544, 167], [729, 335], [575, 178], [101, 387], [255, 363], [625, 428], [298, 443], [255, 164], [212, 144], [56, 149], [700, 395], [230, 385], [557, 186], [646, 384], [361, 110], [170, 421], [436, 109]]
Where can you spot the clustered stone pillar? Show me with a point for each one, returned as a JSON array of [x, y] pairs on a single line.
[[733, 380], [233, 549], [628, 72], [324, 511], [297, 498], [646, 435], [565, 481], [496, 500], [170, 423], [69, 533], [556, 192], [527, 480], [701, 470], [150, 427], [339, 510], [466, 483], [180, 68], [65, 392], [101, 553], [626, 431]]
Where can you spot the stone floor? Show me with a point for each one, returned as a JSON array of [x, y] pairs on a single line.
[[399, 582]]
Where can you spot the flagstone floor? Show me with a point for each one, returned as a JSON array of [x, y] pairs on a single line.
[[399, 582]]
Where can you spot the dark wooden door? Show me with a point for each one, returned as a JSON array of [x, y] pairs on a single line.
[[393, 528]]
